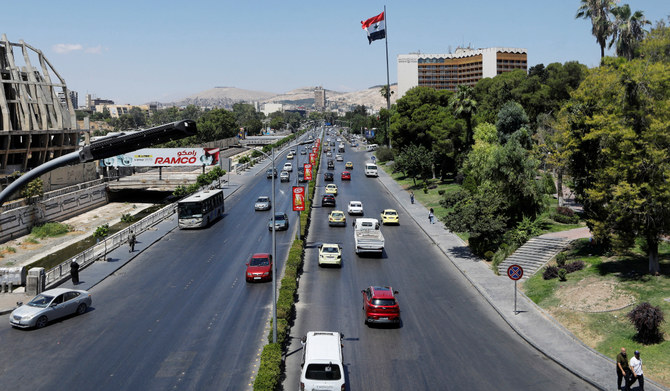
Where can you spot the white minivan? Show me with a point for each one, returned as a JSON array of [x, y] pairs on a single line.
[[322, 367], [371, 169]]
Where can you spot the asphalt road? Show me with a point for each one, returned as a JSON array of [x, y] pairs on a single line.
[[179, 316], [449, 338]]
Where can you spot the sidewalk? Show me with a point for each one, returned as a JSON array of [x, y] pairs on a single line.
[[530, 322]]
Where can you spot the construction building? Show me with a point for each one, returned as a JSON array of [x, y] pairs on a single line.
[[319, 99], [37, 118], [465, 66]]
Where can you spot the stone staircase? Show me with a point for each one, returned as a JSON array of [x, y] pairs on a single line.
[[534, 254]]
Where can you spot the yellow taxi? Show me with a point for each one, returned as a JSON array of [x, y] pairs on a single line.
[[337, 217], [390, 216], [331, 188], [349, 166]]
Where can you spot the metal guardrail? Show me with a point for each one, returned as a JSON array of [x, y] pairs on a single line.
[[61, 272]]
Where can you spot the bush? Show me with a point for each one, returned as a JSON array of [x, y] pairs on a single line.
[[548, 184], [565, 211], [574, 266], [441, 192], [550, 272], [563, 219], [647, 320], [561, 258], [562, 275], [384, 154], [489, 255], [50, 230], [270, 368], [127, 218]]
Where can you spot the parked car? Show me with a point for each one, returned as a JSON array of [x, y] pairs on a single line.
[[50, 305], [328, 200], [269, 173], [284, 176], [259, 268], [346, 176], [349, 165], [330, 254], [380, 305], [331, 188], [390, 216], [263, 203], [337, 217], [355, 208], [281, 222], [328, 176]]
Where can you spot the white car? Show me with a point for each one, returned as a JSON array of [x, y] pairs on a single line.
[[339, 158], [288, 167], [50, 305], [263, 203], [330, 254], [355, 208]]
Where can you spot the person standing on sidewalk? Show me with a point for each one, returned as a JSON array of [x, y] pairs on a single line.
[[411, 197], [74, 272], [431, 216], [636, 368], [622, 370], [131, 242]]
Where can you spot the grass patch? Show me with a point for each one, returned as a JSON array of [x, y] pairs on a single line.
[[31, 240], [49, 230], [608, 331]]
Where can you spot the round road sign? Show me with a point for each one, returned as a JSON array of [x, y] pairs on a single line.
[[515, 272]]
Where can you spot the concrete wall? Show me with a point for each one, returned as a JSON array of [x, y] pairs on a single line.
[[18, 222]]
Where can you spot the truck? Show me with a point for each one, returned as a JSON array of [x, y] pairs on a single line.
[[371, 169], [368, 237]]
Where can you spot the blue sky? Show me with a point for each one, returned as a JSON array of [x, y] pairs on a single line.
[[139, 51]]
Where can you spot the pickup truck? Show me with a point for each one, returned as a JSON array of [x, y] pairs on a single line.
[[367, 236]]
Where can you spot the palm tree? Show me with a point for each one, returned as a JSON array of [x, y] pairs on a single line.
[[599, 13], [464, 105], [628, 31]]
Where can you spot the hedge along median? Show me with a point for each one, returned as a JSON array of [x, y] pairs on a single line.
[[271, 366]]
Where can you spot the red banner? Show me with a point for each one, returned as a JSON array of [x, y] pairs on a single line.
[[308, 171], [298, 198], [312, 158]]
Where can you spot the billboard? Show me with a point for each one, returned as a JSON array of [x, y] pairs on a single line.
[[298, 198], [154, 157], [312, 158], [308, 171]]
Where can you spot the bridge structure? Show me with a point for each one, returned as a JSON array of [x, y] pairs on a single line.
[[261, 140]]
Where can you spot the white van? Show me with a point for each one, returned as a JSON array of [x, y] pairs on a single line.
[[371, 147], [322, 367], [371, 169]]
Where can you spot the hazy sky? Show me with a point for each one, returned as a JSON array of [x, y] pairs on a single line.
[[139, 51]]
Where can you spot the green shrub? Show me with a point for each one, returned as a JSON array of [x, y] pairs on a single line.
[[562, 275], [31, 240], [548, 184], [384, 154], [127, 218], [50, 230], [561, 258], [441, 192], [269, 371]]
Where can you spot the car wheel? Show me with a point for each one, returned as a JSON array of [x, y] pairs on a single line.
[[81, 309], [41, 322]]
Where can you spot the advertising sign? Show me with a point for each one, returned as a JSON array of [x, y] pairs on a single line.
[[308, 171], [298, 198], [312, 158], [153, 157]]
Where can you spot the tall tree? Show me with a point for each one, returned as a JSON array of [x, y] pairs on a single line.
[[599, 13], [464, 105], [656, 47], [617, 135], [627, 31]]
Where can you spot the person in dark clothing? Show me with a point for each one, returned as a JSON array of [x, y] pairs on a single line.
[[411, 197], [622, 370], [131, 242], [74, 272]]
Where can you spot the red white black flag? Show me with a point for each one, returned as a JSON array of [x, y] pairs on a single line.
[[375, 27]]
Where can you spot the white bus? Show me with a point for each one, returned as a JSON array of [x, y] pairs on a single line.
[[200, 209]]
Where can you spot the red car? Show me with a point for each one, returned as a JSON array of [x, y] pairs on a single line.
[[259, 268], [346, 176], [380, 305]]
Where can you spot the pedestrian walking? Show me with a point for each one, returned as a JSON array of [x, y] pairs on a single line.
[[636, 368], [431, 216], [131, 242], [74, 272], [411, 197], [622, 370]]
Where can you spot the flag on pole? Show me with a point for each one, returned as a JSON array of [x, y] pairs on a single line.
[[375, 27]]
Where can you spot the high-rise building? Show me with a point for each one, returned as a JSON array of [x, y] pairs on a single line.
[[319, 98], [464, 66]]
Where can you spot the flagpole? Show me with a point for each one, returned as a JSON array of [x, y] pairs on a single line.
[[388, 84]]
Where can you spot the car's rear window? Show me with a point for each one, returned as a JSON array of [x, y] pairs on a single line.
[[330, 249], [384, 302], [323, 372]]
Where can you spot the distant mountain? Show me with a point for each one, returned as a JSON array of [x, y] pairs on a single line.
[[304, 97]]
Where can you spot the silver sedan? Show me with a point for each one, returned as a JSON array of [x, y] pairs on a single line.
[[50, 305], [263, 203]]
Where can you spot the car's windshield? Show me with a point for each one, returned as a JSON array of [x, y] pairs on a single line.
[[190, 209], [279, 217], [259, 262], [262, 199], [41, 301], [388, 213]]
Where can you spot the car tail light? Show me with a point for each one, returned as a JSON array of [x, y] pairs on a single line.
[[302, 386]]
